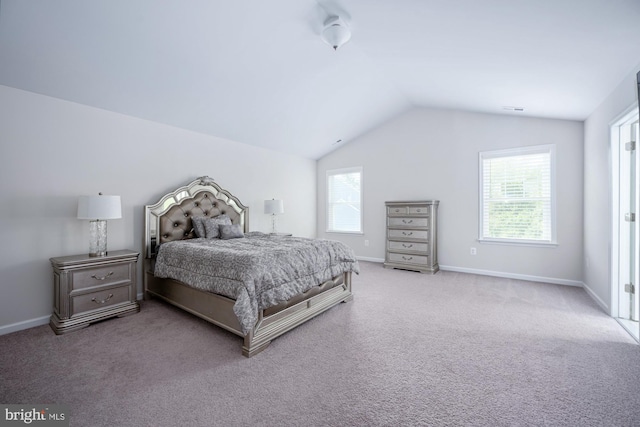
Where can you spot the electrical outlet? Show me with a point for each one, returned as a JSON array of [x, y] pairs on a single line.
[[366, 243], [473, 251]]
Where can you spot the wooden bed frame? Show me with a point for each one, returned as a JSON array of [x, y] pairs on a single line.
[[170, 219]]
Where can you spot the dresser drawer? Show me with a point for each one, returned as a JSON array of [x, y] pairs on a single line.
[[419, 210], [100, 276], [99, 299], [408, 259], [397, 210], [409, 234], [409, 222], [407, 246]]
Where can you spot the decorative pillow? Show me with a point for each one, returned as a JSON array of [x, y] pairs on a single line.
[[198, 226], [230, 232], [211, 225]]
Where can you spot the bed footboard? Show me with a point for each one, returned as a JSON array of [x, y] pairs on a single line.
[[269, 327], [218, 309]]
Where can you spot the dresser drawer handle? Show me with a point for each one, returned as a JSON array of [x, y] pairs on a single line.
[[404, 233], [103, 277], [407, 246], [101, 301], [407, 222], [397, 210], [407, 258]]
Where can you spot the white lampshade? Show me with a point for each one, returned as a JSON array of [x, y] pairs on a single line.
[[99, 207], [273, 207], [335, 32]]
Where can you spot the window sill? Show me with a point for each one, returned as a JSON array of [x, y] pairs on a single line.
[[506, 242]]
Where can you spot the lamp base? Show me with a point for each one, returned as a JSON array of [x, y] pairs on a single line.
[[98, 238]]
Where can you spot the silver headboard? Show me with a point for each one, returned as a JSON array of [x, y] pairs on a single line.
[[170, 218]]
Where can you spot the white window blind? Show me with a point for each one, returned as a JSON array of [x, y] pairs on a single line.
[[517, 195], [344, 200]]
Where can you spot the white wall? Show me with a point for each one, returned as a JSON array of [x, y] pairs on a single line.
[[597, 185], [433, 154], [52, 151]]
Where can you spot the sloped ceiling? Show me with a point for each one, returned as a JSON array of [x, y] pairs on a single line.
[[257, 72]]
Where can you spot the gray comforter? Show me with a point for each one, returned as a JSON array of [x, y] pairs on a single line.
[[258, 271]]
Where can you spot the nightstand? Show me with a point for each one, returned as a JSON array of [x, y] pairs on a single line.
[[89, 289]]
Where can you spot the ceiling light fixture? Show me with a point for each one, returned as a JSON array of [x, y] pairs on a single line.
[[335, 32]]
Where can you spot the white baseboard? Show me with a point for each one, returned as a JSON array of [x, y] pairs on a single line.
[[597, 299], [517, 276], [364, 258], [513, 276], [26, 324]]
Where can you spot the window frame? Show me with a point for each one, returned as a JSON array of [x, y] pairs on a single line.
[[512, 152], [328, 204]]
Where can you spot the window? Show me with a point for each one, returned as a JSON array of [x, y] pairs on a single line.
[[344, 200], [517, 195]]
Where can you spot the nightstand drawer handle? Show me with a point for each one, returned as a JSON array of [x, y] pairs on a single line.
[[407, 246], [407, 222], [103, 277], [407, 259], [404, 233], [101, 301]]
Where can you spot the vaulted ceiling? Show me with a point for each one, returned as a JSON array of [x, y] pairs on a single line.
[[257, 72]]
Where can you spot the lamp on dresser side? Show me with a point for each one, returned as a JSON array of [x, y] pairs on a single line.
[[98, 209], [273, 207]]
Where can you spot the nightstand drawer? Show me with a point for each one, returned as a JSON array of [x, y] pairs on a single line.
[[100, 276], [99, 299], [408, 259], [407, 246]]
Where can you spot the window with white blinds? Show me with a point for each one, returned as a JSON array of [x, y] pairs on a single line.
[[517, 195], [344, 200]]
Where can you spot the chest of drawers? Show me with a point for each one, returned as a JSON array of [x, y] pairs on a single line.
[[411, 236], [88, 289]]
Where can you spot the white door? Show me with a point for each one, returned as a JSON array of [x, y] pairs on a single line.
[[628, 249]]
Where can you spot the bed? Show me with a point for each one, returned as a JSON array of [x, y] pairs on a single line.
[[170, 237]]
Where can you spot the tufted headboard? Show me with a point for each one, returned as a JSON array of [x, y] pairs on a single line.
[[170, 218]]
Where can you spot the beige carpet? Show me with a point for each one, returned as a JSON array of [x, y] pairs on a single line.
[[411, 349]]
